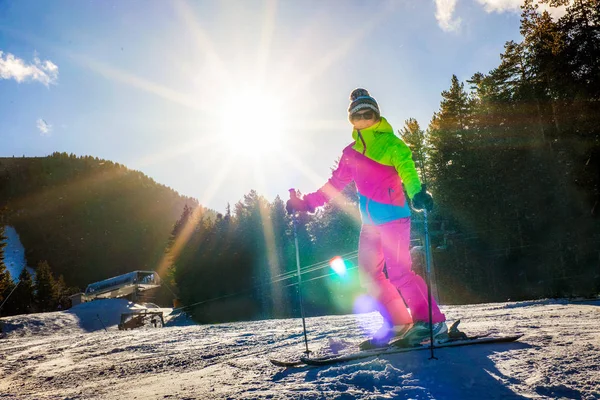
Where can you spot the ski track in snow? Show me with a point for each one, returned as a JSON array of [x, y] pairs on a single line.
[[69, 355]]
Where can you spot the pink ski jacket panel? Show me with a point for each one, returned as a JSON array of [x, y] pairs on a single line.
[[379, 163]]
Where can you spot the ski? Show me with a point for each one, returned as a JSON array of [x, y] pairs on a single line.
[[395, 348], [286, 364], [298, 363], [453, 338]]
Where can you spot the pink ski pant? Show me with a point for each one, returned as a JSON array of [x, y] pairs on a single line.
[[388, 245]]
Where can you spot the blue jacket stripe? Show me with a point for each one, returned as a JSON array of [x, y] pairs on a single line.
[[380, 213]]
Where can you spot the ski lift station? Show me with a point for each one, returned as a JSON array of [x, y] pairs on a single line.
[[126, 285]]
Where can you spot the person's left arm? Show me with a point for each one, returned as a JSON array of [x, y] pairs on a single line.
[[401, 158]]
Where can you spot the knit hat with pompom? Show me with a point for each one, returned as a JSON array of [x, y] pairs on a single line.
[[360, 99]]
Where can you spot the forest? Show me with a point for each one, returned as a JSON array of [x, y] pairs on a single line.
[[511, 157]]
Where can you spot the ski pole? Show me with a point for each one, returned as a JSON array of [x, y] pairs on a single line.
[[428, 279], [427, 248], [294, 223], [98, 315]]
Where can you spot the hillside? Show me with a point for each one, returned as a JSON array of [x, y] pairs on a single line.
[[89, 218]]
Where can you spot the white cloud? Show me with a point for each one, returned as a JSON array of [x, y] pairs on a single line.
[[444, 13], [501, 6], [11, 67], [44, 127]]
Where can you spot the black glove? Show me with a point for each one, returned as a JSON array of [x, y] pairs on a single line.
[[423, 200], [295, 203]]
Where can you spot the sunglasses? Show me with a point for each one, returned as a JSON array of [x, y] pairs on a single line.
[[366, 116]]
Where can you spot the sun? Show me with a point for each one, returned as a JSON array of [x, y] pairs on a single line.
[[253, 123]]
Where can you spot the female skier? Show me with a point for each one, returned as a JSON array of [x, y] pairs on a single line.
[[379, 163]]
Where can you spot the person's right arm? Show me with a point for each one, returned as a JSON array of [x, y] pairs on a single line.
[[340, 178]]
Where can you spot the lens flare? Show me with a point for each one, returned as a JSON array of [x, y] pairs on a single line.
[[370, 315], [338, 265]]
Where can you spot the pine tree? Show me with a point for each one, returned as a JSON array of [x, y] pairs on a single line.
[[414, 137], [23, 298], [174, 246], [450, 137], [62, 293], [279, 258], [186, 214], [255, 230], [6, 284], [46, 295]]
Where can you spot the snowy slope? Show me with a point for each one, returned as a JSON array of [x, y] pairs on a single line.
[[14, 254], [86, 317], [558, 358]]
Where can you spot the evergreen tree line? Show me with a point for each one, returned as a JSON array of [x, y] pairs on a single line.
[[44, 293], [512, 163], [242, 265], [89, 218]]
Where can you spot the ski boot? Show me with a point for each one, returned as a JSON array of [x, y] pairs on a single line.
[[420, 332], [384, 335]]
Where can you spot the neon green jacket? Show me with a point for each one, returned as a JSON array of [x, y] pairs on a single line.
[[379, 163]]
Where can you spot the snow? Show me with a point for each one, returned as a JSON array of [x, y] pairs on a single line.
[[14, 254], [85, 317], [69, 355]]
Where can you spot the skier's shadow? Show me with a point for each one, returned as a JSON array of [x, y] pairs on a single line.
[[459, 373]]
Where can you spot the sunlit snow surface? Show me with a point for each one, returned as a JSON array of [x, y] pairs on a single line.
[[69, 355]]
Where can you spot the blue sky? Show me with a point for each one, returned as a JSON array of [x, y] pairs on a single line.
[[217, 98]]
